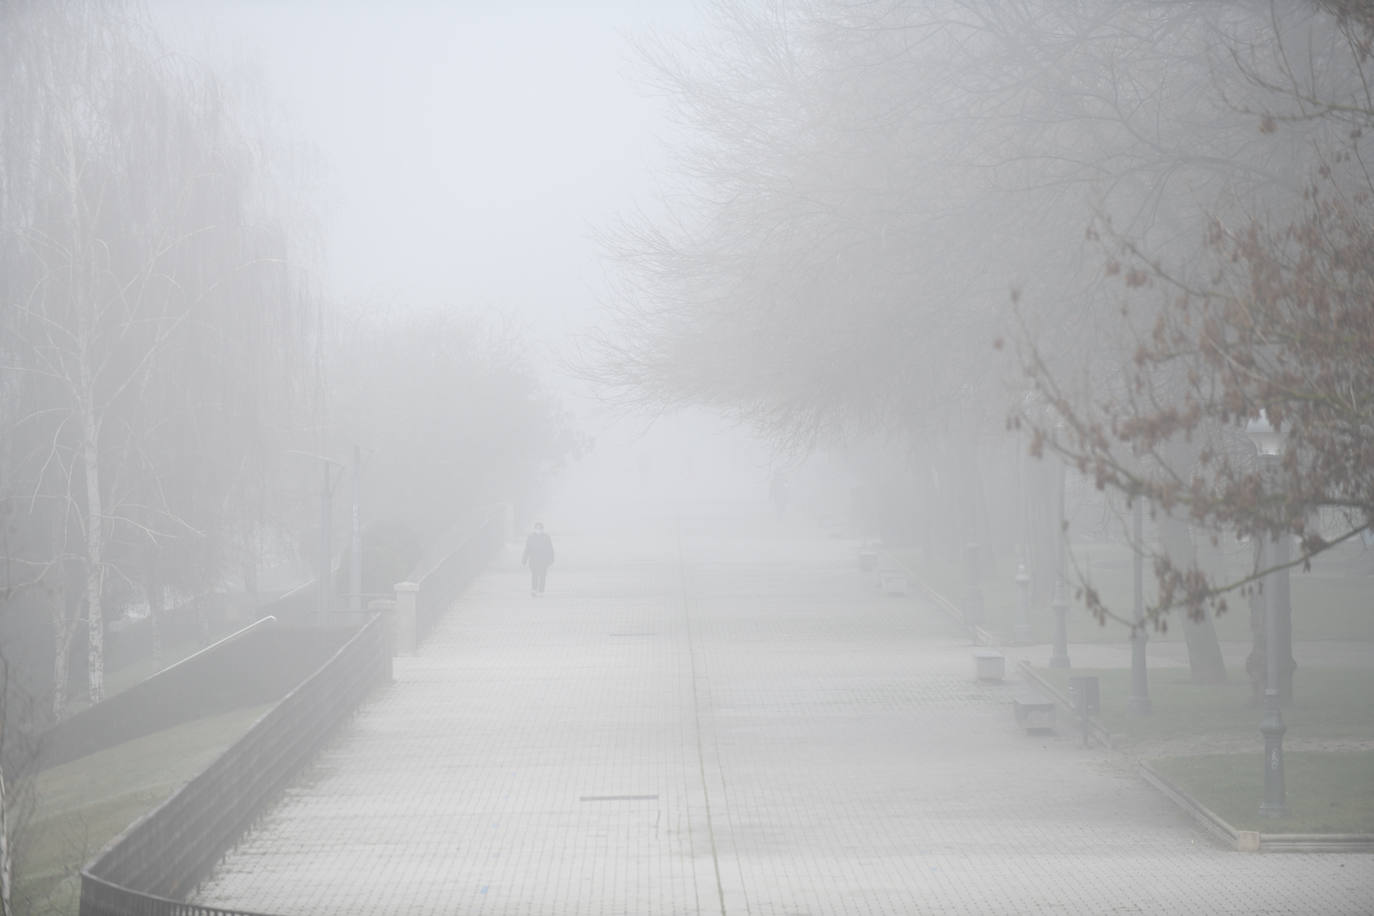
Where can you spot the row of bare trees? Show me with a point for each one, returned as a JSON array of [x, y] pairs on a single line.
[[448, 412], [150, 314], [861, 185], [166, 358]]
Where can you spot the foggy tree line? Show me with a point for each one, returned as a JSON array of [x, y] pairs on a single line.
[[872, 196], [447, 410], [145, 314], [1274, 317], [152, 316], [170, 372], [171, 375]]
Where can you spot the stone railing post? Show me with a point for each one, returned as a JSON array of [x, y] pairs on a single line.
[[407, 622], [386, 609], [973, 597]]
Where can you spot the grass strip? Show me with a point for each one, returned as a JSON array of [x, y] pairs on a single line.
[[1326, 791], [80, 806], [1329, 705], [1206, 740]]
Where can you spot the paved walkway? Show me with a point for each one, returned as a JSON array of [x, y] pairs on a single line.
[[719, 716]]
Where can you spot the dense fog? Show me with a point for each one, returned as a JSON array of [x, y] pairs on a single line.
[[878, 375]]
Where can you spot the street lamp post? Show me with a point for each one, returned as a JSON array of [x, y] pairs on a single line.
[[1022, 633], [326, 583], [1060, 657], [973, 602], [1139, 700], [1269, 443], [325, 586], [355, 566]]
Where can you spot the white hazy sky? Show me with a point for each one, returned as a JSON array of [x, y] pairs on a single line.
[[466, 149], [466, 152]]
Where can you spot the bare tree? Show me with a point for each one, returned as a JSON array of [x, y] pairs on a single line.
[[137, 250], [860, 183], [6, 862], [447, 410], [1274, 321]]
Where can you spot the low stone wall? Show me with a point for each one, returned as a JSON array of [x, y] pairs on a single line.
[[161, 857], [259, 666]]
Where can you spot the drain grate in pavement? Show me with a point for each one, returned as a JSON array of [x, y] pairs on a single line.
[[601, 798]]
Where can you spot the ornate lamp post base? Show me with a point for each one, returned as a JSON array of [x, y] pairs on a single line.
[[1022, 631], [1273, 728]]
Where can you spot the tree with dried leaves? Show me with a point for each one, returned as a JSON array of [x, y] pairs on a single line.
[[860, 183], [1274, 320]]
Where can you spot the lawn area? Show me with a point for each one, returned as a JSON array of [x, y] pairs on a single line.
[[1327, 792], [1206, 740], [1329, 704], [79, 806]]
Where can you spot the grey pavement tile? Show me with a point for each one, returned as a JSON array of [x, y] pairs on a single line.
[[727, 719]]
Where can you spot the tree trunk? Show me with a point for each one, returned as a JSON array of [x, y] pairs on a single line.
[[5, 863], [64, 621], [95, 549], [250, 568], [156, 604], [1204, 650], [6, 866]]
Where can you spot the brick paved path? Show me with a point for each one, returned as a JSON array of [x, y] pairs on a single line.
[[723, 718]]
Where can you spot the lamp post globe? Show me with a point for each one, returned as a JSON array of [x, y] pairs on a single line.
[[1267, 440]]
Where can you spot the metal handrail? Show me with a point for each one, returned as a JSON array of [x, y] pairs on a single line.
[[168, 852], [237, 634], [109, 897], [450, 575]]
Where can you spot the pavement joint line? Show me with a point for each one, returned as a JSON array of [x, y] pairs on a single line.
[[696, 710]]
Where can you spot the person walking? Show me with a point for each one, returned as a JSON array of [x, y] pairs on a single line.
[[538, 556]]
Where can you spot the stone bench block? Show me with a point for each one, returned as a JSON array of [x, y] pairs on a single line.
[[989, 664], [1034, 713]]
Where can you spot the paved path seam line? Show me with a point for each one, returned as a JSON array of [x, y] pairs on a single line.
[[696, 713]]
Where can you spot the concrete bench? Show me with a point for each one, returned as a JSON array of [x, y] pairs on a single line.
[[892, 582], [989, 664], [1034, 713]]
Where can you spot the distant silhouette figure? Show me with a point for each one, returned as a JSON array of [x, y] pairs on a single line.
[[538, 556]]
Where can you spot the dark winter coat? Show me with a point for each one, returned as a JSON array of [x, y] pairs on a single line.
[[538, 549]]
